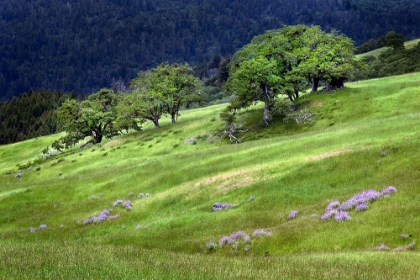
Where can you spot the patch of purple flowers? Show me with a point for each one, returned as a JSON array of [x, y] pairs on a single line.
[[97, 219], [220, 206], [43, 226], [333, 205], [233, 238], [389, 190], [361, 207], [126, 204], [328, 215], [293, 214], [210, 246], [260, 232], [118, 202], [342, 216], [359, 202]]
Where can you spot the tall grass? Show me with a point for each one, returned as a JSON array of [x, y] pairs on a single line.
[[364, 137]]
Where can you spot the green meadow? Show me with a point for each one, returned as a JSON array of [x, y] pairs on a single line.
[[365, 137]]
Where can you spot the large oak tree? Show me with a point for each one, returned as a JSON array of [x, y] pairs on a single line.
[[285, 62]]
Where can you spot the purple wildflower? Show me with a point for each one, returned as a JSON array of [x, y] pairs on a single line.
[[342, 216], [210, 246], [382, 247], [103, 216], [328, 215], [293, 214], [118, 202], [31, 229], [88, 221], [128, 205], [260, 232], [234, 237], [333, 205], [371, 195], [223, 241], [141, 195], [43, 226], [220, 206], [389, 190], [361, 207]]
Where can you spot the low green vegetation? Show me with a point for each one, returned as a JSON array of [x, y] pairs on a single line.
[[273, 189], [390, 61]]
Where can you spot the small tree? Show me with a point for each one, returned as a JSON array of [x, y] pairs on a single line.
[[394, 40], [177, 86], [92, 118], [145, 102]]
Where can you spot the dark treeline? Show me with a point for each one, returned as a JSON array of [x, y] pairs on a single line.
[[83, 46], [30, 115]]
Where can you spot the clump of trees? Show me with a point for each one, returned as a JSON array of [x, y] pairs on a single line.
[[107, 113], [162, 90], [30, 115], [285, 62], [396, 60], [278, 63], [391, 39]]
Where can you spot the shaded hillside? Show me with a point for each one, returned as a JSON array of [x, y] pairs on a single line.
[[85, 45]]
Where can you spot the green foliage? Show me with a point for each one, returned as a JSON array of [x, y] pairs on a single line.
[[30, 115], [163, 90], [390, 62], [394, 40], [93, 118], [287, 61], [178, 86]]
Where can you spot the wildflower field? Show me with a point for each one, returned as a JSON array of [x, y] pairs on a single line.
[[334, 198]]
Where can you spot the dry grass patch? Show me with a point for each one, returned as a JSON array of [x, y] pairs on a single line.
[[327, 155], [112, 143], [231, 180]]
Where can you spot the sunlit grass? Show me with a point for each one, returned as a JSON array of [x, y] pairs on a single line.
[[364, 137]]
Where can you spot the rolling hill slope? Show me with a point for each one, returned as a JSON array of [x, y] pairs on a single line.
[[363, 138]]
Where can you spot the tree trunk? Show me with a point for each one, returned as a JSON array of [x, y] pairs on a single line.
[[98, 138], [156, 121], [315, 84], [267, 113], [337, 83], [174, 117]]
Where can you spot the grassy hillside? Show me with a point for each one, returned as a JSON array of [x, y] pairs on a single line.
[[408, 45], [364, 137]]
